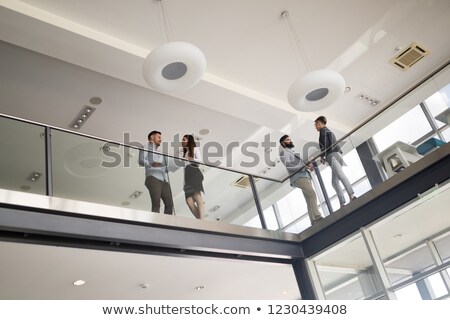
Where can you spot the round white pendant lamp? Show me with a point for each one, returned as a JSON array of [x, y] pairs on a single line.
[[173, 66], [317, 89]]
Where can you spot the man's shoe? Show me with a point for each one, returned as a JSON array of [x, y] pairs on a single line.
[[317, 220]]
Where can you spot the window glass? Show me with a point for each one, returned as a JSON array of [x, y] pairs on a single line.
[[437, 286], [254, 222], [362, 187], [408, 293], [408, 128], [346, 271], [446, 134], [443, 247], [299, 226], [271, 220], [354, 169], [438, 102], [292, 206]]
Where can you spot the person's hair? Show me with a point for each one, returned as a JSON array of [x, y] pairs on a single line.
[[321, 119], [283, 138], [190, 146], [152, 133]]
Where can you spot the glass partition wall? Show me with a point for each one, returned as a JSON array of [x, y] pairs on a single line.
[[410, 248], [22, 160]]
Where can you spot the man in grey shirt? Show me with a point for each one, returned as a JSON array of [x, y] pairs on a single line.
[[301, 177], [156, 174]]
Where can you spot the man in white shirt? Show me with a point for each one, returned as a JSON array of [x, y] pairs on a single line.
[[156, 174], [301, 178]]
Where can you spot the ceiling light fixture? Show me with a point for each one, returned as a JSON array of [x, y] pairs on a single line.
[[174, 66], [82, 117], [215, 208], [135, 194], [95, 100], [372, 101], [317, 89], [79, 283], [198, 288], [34, 176]]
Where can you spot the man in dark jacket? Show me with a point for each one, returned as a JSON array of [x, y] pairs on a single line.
[[333, 156]]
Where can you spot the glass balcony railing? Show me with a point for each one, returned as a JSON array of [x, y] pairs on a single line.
[[98, 171]]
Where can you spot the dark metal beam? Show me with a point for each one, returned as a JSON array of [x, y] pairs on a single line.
[[58, 225], [303, 277]]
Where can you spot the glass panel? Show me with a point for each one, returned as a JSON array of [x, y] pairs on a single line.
[[94, 171], [431, 287], [400, 129], [346, 272], [446, 134], [443, 247], [227, 195], [406, 265], [401, 238], [362, 187], [438, 102], [291, 207], [22, 163], [290, 202], [254, 222], [410, 292], [271, 219], [299, 225], [436, 286], [352, 169]]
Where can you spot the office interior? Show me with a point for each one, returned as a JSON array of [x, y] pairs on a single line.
[[67, 217]]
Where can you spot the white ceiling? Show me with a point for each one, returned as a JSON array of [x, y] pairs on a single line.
[[26, 271], [56, 55], [251, 62]]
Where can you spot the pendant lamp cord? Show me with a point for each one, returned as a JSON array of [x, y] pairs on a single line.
[[166, 23], [285, 15]]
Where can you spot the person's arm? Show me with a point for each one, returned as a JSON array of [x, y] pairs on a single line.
[[143, 160], [147, 159], [291, 162], [197, 155], [322, 143], [322, 139]]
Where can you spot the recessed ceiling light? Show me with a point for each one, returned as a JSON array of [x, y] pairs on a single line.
[[135, 194], [144, 285], [204, 131], [348, 89], [82, 117], [198, 288], [25, 187], [95, 100], [79, 283], [125, 203], [214, 209], [372, 101], [398, 235], [34, 176]]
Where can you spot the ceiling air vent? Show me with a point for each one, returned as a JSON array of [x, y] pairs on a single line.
[[408, 57], [243, 182]]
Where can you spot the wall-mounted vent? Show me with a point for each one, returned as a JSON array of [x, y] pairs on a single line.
[[408, 57], [243, 182]]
